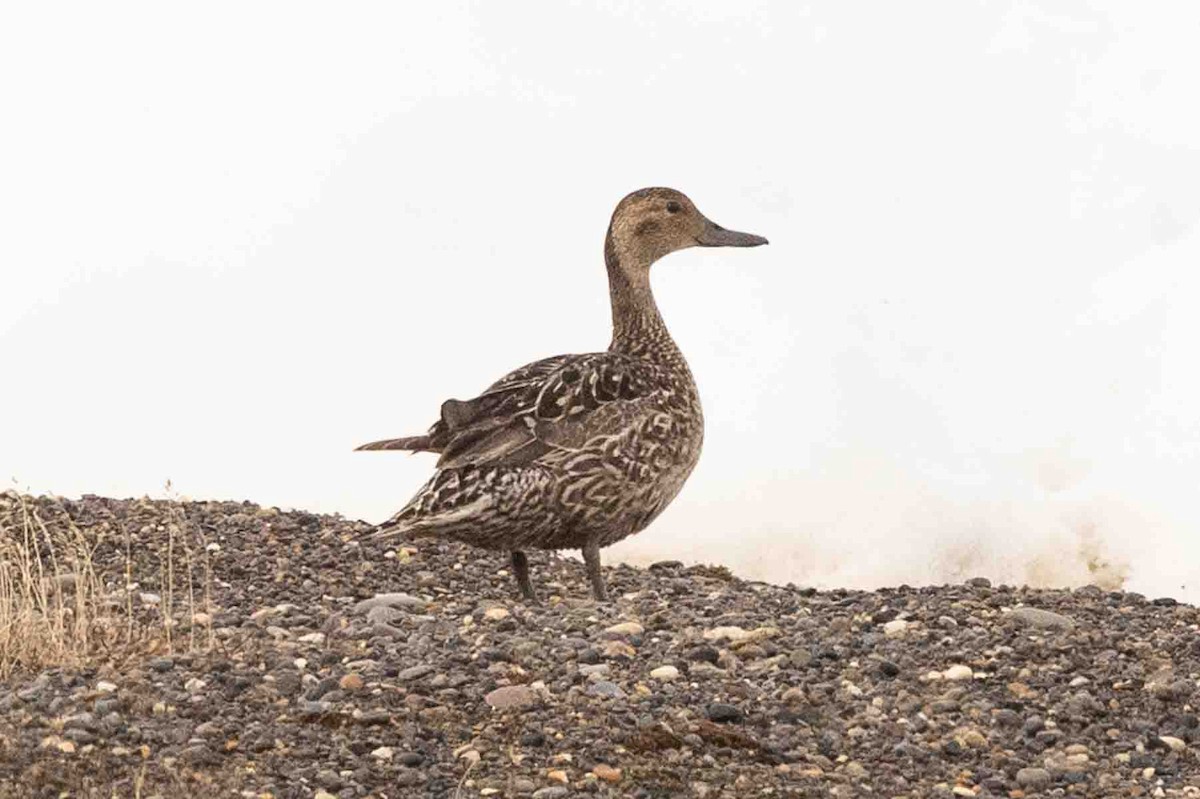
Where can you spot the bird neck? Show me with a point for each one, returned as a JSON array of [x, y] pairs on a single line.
[[638, 327]]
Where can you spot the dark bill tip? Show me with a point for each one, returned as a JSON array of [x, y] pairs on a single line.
[[717, 236]]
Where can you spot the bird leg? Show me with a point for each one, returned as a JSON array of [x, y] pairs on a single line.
[[521, 570], [591, 557]]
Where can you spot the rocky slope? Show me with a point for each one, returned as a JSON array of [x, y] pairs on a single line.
[[310, 662]]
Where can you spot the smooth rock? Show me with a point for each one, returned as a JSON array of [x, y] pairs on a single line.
[[1173, 743], [395, 600], [415, 673], [626, 628], [604, 688], [1033, 778], [1040, 619], [958, 672], [551, 792], [732, 634], [511, 696], [605, 772]]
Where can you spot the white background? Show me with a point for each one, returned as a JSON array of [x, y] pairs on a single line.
[[240, 240]]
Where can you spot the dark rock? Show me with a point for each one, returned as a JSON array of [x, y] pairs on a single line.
[[723, 713]]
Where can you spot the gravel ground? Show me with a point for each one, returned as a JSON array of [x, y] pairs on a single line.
[[332, 666]]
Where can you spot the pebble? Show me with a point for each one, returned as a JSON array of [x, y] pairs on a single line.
[[1033, 778], [415, 673], [1173, 743], [512, 696], [385, 615], [607, 773], [394, 600], [605, 689], [351, 682], [665, 673], [723, 713], [626, 628], [208, 729], [551, 792], [1041, 619], [958, 672], [496, 614], [733, 634], [895, 627], [618, 649]]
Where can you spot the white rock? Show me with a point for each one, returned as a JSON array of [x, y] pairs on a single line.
[[213, 547], [665, 673], [148, 598], [496, 614], [627, 628], [895, 627], [195, 685], [958, 672], [312, 638], [1042, 619], [382, 753], [734, 634], [106, 687], [1175, 744]]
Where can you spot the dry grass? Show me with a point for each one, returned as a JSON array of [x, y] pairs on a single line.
[[63, 606]]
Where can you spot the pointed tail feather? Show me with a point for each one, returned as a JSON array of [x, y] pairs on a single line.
[[412, 444]]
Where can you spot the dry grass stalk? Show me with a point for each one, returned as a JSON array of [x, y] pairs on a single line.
[[58, 610]]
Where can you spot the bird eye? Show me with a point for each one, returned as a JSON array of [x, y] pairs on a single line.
[[674, 207]]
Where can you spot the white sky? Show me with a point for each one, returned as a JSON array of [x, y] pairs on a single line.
[[239, 241]]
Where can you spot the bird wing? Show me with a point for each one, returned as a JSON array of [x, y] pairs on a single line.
[[548, 406], [497, 400]]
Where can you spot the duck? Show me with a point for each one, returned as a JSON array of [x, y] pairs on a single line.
[[575, 451]]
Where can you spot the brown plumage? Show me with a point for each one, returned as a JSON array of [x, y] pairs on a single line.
[[576, 451]]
